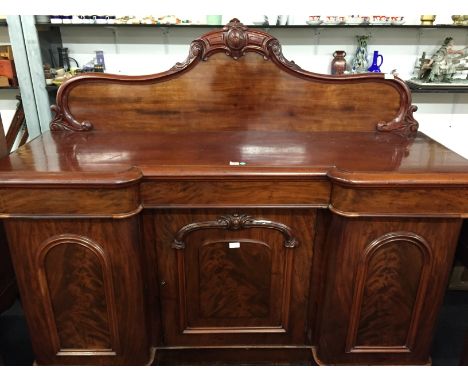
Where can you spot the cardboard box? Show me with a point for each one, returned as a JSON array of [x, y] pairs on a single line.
[[6, 52], [7, 69], [4, 81]]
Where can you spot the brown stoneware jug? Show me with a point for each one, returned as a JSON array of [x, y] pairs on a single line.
[[338, 65]]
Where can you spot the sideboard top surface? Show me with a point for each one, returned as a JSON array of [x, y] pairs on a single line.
[[68, 155]]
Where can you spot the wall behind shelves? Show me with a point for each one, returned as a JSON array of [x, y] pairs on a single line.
[[146, 50]]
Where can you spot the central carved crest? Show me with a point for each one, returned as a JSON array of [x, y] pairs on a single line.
[[235, 36]]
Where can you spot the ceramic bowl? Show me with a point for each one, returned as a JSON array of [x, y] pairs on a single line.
[[380, 20], [333, 20], [397, 20], [354, 20]]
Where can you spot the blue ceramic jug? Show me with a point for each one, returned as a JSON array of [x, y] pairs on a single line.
[[376, 67]]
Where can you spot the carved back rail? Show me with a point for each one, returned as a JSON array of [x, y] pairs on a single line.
[[235, 79]]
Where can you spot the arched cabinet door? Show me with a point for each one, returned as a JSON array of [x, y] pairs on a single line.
[[232, 277], [75, 281], [386, 278], [82, 290]]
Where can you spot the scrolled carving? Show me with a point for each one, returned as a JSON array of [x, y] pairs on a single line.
[[275, 47], [235, 40], [235, 222], [196, 50], [235, 24], [405, 125], [63, 121]]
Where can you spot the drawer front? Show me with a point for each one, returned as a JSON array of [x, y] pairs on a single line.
[[229, 193], [405, 201], [73, 202]]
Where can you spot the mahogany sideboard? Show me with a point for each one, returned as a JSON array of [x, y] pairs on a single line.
[[235, 207]]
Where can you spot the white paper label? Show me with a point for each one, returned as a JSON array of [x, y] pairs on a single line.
[[234, 245]]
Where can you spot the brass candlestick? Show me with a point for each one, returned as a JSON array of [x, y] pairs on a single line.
[[428, 19]]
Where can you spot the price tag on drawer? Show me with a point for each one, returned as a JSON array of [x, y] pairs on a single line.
[[235, 244]]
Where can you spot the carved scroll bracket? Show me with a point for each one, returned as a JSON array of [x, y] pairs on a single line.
[[277, 51], [235, 222], [196, 50], [64, 121], [405, 126]]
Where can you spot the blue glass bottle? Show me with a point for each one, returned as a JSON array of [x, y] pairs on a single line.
[[376, 67]]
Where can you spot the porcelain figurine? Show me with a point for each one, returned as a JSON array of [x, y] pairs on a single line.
[[443, 64]]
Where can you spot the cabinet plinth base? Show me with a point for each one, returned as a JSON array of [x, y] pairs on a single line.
[[234, 356], [319, 362]]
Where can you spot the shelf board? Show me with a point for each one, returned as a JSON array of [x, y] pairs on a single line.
[[404, 26], [9, 87], [436, 88]]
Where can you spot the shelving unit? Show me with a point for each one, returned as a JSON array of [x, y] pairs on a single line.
[[437, 88], [8, 94], [368, 28], [347, 26]]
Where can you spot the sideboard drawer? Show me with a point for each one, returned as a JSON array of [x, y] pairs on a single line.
[[227, 193]]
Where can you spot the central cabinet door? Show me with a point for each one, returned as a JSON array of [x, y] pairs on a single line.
[[234, 277]]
